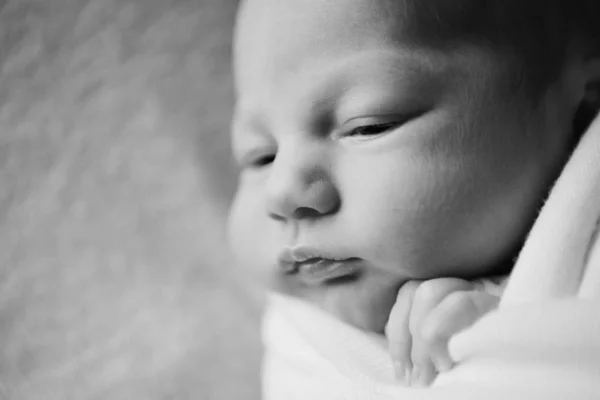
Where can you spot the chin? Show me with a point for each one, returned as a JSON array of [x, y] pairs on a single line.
[[364, 305]]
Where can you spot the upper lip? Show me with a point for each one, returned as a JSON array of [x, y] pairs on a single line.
[[291, 257]]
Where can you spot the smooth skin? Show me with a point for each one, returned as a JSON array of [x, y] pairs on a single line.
[[353, 140]]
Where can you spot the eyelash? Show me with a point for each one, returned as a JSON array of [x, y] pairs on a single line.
[[385, 127], [262, 161], [380, 129]]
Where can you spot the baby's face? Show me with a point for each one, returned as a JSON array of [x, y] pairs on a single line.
[[410, 162]]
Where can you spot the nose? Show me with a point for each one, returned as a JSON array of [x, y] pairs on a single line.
[[300, 189]]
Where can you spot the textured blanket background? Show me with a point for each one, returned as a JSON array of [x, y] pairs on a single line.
[[114, 181]]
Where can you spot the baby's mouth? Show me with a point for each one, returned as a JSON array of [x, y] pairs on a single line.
[[320, 270], [317, 269]]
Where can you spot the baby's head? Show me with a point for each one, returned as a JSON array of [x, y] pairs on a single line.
[[415, 138]]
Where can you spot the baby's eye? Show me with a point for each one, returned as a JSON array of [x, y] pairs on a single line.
[[373, 127], [259, 161], [264, 160], [372, 130]]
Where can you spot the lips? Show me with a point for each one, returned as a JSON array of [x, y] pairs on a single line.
[[315, 267]]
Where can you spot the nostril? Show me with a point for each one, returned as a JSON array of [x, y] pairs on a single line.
[[306, 212]]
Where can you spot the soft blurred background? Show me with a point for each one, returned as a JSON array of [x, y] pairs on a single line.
[[115, 178]]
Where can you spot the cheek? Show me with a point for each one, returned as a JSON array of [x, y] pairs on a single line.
[[489, 202], [399, 211], [436, 214]]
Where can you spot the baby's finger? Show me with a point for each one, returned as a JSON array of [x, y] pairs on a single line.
[[428, 296], [398, 333], [423, 374], [455, 313]]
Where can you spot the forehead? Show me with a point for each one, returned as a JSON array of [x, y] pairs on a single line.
[[272, 36]]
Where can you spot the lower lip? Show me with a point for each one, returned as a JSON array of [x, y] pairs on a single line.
[[323, 271]]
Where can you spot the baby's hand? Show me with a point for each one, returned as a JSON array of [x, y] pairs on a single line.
[[426, 315]]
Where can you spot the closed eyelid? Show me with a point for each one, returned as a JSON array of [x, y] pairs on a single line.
[[257, 156], [391, 120], [385, 105]]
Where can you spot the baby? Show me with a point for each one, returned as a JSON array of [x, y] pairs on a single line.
[[394, 153]]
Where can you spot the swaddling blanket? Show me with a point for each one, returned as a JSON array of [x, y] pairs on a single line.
[[542, 343]]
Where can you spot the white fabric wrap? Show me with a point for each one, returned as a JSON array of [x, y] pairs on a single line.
[[542, 343]]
